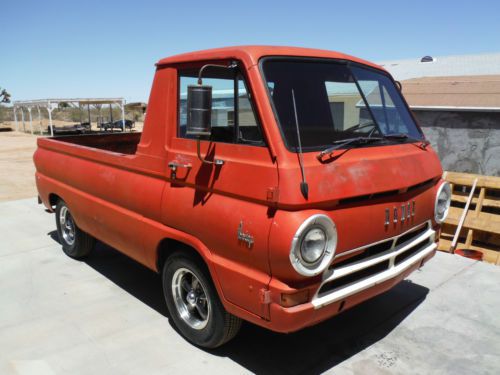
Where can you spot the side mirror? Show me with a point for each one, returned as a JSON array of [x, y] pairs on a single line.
[[399, 85], [199, 110]]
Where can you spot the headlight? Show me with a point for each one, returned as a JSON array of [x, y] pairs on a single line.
[[313, 245], [443, 200]]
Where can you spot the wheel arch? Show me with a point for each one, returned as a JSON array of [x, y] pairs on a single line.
[[169, 246], [53, 199]]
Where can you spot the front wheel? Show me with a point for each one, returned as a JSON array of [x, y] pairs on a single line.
[[193, 303], [75, 242]]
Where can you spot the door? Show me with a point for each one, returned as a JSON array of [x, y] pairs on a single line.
[[227, 205]]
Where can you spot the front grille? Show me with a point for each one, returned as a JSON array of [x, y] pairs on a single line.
[[421, 185], [368, 252], [375, 263], [411, 235], [361, 198], [353, 277], [385, 194], [411, 251], [380, 248]]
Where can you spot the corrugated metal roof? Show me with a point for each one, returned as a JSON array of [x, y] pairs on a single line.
[[472, 93], [53, 101], [461, 65]]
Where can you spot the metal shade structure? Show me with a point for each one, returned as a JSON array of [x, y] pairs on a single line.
[[51, 104]]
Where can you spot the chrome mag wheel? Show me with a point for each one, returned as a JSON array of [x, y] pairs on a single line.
[[190, 298], [67, 226]]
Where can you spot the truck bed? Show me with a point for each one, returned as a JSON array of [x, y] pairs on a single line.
[[123, 143]]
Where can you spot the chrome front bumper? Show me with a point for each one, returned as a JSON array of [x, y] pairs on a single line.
[[403, 252]]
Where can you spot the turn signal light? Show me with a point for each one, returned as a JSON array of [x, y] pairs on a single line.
[[294, 299]]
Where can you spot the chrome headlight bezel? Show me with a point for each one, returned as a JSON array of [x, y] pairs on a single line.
[[444, 188], [318, 221]]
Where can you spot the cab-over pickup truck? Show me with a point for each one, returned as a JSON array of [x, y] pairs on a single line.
[[276, 185]]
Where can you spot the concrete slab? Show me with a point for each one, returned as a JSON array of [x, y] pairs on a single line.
[[106, 315]]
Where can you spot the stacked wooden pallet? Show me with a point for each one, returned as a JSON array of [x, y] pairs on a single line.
[[481, 228]]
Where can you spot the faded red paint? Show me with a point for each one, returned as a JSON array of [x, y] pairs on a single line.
[[131, 202]]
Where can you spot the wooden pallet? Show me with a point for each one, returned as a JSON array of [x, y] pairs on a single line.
[[481, 229]]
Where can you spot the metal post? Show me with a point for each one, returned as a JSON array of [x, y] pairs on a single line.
[[111, 116], [99, 117], [123, 116], [39, 119], [15, 118], [49, 108], [31, 121], [88, 111], [22, 117]]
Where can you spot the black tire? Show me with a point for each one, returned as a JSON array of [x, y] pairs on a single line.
[[79, 244], [219, 327]]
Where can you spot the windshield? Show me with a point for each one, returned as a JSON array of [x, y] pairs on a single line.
[[334, 101]]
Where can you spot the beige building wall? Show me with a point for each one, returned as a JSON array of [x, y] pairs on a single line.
[[351, 111]]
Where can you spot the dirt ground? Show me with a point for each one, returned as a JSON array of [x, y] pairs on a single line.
[[17, 172]]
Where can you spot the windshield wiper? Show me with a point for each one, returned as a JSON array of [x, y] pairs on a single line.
[[348, 141], [423, 143]]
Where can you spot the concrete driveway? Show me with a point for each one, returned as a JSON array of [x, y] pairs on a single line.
[[106, 316]]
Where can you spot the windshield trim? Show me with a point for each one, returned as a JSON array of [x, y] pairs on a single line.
[[348, 63]]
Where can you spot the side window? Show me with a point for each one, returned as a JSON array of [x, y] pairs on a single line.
[[248, 129], [233, 116]]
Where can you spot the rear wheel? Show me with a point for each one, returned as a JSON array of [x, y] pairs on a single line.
[[75, 242], [194, 305]]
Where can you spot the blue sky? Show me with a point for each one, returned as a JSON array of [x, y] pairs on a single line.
[[108, 48]]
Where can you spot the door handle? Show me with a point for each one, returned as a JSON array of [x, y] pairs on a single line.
[[175, 165]]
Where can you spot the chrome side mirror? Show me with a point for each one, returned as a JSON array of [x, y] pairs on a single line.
[[199, 110]]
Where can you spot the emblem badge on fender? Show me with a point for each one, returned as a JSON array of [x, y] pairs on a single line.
[[244, 237]]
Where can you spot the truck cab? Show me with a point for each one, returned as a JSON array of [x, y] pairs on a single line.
[[276, 185]]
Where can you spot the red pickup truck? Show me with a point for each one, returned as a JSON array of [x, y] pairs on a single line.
[[275, 185]]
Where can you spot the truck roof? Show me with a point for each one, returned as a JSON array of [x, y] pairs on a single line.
[[254, 53]]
